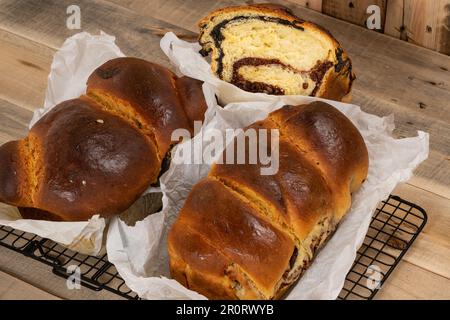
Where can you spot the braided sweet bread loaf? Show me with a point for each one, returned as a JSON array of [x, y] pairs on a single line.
[[243, 235], [265, 48], [97, 154]]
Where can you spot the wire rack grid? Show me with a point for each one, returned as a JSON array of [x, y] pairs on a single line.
[[395, 225]]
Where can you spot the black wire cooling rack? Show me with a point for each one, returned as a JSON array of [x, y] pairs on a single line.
[[394, 227]]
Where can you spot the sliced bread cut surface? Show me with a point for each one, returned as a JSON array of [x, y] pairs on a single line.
[[265, 48]]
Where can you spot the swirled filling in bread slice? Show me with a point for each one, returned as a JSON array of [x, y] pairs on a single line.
[[268, 49]]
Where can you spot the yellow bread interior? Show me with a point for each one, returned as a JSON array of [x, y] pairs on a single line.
[[265, 48], [275, 75], [269, 40]]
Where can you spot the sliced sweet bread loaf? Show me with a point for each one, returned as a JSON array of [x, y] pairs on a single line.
[[265, 48]]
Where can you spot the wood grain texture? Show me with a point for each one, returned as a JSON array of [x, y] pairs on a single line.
[[431, 251], [443, 32], [13, 121], [410, 282], [12, 288], [24, 70], [430, 185], [45, 22], [40, 275], [310, 4], [394, 25], [184, 14], [354, 11], [427, 23], [28, 44]]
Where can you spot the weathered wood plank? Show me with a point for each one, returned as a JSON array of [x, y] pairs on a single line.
[[394, 25], [427, 23], [45, 22], [443, 24], [12, 288], [24, 70], [310, 4], [431, 185], [411, 282], [431, 250], [28, 44], [353, 11], [184, 14], [40, 275], [13, 121]]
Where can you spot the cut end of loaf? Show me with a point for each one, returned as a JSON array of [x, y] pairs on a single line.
[[267, 49], [78, 161], [31, 154], [21, 171]]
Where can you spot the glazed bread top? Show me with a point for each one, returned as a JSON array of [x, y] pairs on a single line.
[[265, 48], [151, 96], [243, 235], [97, 154], [77, 161]]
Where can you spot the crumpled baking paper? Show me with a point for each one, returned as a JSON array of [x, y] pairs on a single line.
[[139, 253], [72, 64]]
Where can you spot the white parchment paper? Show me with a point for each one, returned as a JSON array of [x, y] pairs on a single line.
[[140, 253], [72, 64]]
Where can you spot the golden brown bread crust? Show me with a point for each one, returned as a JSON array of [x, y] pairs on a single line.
[[292, 196], [191, 96], [269, 228], [14, 182], [207, 267], [85, 162], [97, 154], [335, 84], [254, 238], [154, 95], [330, 140]]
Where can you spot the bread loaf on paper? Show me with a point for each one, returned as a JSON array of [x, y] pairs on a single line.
[[243, 235], [97, 154], [265, 48]]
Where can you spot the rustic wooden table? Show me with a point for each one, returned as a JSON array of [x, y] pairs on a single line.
[[395, 77]]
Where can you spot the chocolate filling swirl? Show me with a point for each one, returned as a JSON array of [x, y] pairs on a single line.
[[316, 74], [216, 33]]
